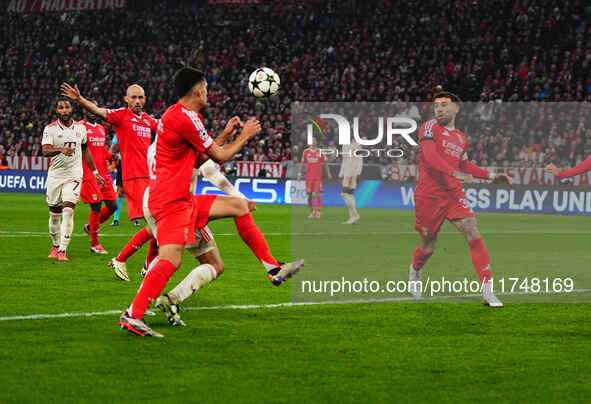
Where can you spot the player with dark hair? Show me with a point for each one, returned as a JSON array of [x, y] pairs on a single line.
[[443, 168], [181, 139], [64, 140], [92, 193], [133, 128]]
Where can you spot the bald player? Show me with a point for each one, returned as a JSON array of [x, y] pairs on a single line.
[[133, 128]]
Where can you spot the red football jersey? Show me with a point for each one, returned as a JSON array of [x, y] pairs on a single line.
[[181, 136], [451, 144], [313, 160], [95, 140], [134, 135]]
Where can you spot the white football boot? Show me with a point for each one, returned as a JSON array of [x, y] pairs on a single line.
[[415, 288], [488, 297]]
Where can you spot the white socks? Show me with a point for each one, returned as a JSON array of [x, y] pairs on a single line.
[[54, 227], [67, 227], [198, 278], [350, 202]]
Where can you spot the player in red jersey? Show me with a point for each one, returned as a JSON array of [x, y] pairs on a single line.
[[443, 167], [313, 158], [181, 137], [133, 128], [92, 193], [583, 167]]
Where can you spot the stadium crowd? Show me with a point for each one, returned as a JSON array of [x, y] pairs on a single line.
[[384, 50]]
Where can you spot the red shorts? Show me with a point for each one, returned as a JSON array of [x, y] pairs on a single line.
[[201, 207], [175, 223], [430, 212], [93, 193], [134, 193], [313, 186]]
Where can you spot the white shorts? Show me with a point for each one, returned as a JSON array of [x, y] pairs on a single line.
[[204, 241], [350, 182], [60, 190]]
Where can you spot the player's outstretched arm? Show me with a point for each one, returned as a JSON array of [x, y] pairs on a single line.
[[74, 94], [468, 167], [87, 157], [579, 169], [222, 154]]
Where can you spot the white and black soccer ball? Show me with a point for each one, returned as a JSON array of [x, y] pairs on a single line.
[[263, 83]]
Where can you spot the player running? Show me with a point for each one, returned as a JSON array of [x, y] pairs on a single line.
[[583, 167], [351, 167], [313, 158], [181, 137], [65, 142], [443, 167], [133, 128], [92, 193]]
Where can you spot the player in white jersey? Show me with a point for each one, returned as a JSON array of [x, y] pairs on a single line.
[[351, 167], [65, 142]]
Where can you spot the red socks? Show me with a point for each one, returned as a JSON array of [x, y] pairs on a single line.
[[137, 241], [152, 252], [153, 284], [93, 225], [255, 240], [105, 214], [318, 203], [419, 259], [480, 259], [311, 203]]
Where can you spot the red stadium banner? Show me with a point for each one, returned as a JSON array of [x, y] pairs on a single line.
[[253, 168], [43, 6], [234, 2]]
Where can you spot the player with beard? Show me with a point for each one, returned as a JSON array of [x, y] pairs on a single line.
[[133, 128], [443, 168], [92, 193], [65, 142]]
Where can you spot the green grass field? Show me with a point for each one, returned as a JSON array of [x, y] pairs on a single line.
[[449, 350]]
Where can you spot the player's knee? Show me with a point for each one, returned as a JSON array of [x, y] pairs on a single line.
[[219, 267], [111, 205], [241, 206], [55, 209], [95, 207], [472, 233]]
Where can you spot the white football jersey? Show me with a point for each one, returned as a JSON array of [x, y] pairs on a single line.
[[57, 135], [351, 165]]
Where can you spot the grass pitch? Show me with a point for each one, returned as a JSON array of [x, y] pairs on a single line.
[[381, 352]]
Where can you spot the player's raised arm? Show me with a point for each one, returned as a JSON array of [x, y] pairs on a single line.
[[74, 93], [233, 126], [579, 169], [222, 154]]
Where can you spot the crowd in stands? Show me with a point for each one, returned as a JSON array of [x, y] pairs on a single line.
[[503, 55]]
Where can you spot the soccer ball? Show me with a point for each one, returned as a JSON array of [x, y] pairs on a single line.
[[264, 83]]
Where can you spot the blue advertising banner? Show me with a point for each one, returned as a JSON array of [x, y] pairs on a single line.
[[369, 194]]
